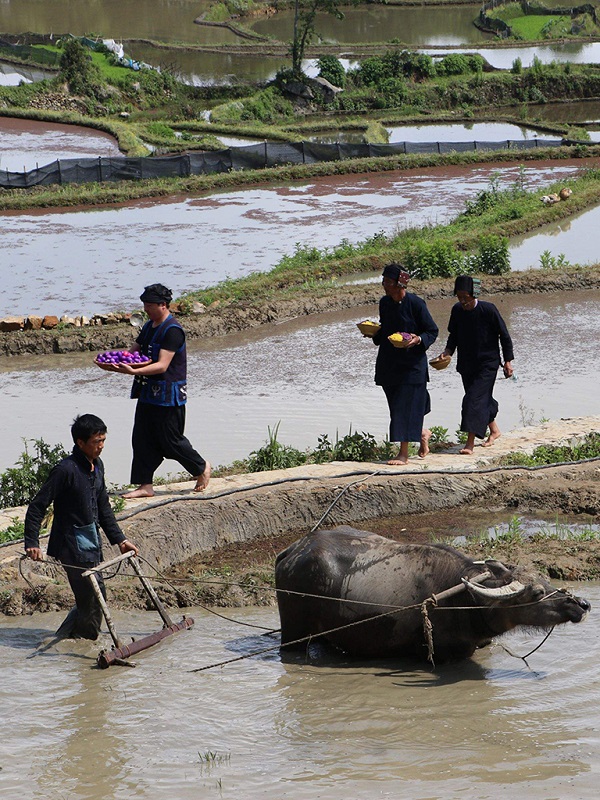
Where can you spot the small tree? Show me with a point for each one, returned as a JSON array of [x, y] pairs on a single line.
[[332, 69], [77, 69], [305, 13]]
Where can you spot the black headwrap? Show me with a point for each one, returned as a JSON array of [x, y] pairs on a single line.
[[396, 273], [156, 293], [466, 283]]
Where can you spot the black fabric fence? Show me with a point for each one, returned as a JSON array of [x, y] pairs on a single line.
[[26, 52], [254, 156]]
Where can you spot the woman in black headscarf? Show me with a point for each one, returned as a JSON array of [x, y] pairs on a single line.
[[476, 330], [403, 372]]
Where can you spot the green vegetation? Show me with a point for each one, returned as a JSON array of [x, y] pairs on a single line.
[[275, 455], [20, 483], [557, 454], [537, 27], [14, 532], [354, 446], [540, 26], [514, 534]]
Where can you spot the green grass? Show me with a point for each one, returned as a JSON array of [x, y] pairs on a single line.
[[532, 27], [556, 454]]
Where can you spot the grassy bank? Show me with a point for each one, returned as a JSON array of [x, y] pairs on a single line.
[[428, 252]]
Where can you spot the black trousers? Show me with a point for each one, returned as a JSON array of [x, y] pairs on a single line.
[[84, 620], [158, 434]]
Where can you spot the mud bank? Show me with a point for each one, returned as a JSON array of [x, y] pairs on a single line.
[[225, 319], [219, 549]]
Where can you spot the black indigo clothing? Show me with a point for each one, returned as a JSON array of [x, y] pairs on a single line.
[[80, 499], [158, 434], [81, 507], [403, 372], [408, 404], [477, 335]]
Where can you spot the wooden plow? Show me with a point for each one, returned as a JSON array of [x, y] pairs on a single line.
[[120, 652]]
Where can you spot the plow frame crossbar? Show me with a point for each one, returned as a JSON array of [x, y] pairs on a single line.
[[121, 651]]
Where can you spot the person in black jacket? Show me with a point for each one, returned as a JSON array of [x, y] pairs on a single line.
[[477, 330], [81, 506], [403, 372]]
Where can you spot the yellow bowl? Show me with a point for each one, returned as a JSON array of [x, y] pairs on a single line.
[[368, 328], [400, 339], [441, 362]]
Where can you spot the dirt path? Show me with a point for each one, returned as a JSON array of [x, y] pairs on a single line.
[[219, 549]]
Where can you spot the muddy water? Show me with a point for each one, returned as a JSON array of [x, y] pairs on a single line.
[[92, 261], [569, 238], [316, 377], [322, 728], [466, 132], [27, 144], [162, 20], [13, 75], [435, 26]]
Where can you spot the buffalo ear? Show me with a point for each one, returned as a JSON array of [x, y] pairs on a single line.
[[537, 591], [498, 569]]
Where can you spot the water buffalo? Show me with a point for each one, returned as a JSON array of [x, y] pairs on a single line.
[[386, 583]]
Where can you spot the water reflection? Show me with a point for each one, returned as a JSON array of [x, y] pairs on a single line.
[[569, 238], [435, 26], [465, 132], [13, 75], [96, 260], [27, 144], [503, 58]]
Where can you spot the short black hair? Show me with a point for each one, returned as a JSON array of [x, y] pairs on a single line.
[[85, 426]]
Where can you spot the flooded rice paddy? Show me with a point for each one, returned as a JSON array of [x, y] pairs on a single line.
[[324, 727], [172, 21], [315, 376], [83, 262], [454, 132], [28, 144]]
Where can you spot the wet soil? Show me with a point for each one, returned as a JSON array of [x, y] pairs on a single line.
[[224, 319], [242, 573]]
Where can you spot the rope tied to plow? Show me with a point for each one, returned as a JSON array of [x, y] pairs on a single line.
[[428, 627]]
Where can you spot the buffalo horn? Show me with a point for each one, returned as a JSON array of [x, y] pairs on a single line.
[[512, 589]]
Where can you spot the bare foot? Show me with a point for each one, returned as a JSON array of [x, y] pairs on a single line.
[[466, 451], [491, 439], [202, 480], [145, 490], [397, 462], [424, 448]]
